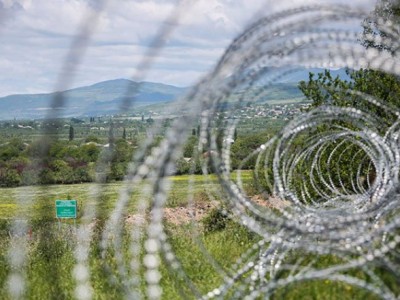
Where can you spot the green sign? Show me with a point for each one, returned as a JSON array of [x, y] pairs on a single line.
[[66, 209]]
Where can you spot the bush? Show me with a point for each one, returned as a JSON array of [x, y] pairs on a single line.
[[82, 174], [11, 178], [93, 138], [90, 152], [182, 166], [117, 171], [216, 220], [189, 147]]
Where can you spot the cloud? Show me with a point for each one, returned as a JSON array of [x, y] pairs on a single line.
[[36, 35]]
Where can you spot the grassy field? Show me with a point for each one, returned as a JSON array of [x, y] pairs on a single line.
[[50, 264]]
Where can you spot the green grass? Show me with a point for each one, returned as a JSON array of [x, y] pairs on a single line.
[[226, 246], [51, 260]]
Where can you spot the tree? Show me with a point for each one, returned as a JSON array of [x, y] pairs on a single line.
[[384, 23], [245, 145], [182, 166], [190, 145], [89, 152], [61, 172], [323, 89], [124, 134], [11, 178], [71, 133], [122, 151], [92, 139], [111, 138], [12, 149], [326, 90], [150, 120]]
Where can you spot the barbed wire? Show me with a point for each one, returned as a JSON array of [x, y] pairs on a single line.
[[330, 210]]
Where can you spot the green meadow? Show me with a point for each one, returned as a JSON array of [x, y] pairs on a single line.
[[50, 258]]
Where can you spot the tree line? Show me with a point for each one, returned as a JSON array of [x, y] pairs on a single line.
[[70, 161], [64, 162]]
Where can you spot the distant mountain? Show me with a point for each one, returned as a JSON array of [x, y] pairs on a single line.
[[295, 74], [106, 97], [100, 98], [299, 74], [280, 84]]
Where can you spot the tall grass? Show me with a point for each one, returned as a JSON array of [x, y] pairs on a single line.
[[49, 266]]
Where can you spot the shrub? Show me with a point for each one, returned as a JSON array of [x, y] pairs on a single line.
[[216, 220], [11, 178], [182, 166]]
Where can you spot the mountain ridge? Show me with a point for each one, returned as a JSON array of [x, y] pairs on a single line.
[[95, 99], [106, 97]]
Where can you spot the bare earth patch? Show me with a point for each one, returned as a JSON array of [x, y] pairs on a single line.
[[177, 215], [185, 214], [270, 202], [136, 219]]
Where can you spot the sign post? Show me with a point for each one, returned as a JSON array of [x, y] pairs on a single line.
[[66, 209]]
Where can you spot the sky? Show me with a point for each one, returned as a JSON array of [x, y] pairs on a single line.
[[36, 38]]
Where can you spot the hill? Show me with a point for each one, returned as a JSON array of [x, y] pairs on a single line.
[[105, 97], [100, 98]]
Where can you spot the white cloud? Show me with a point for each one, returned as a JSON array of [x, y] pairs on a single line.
[[35, 37]]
